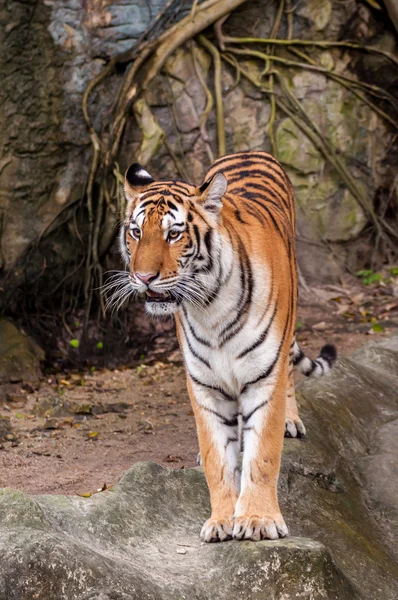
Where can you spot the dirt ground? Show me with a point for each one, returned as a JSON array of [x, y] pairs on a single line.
[[81, 430]]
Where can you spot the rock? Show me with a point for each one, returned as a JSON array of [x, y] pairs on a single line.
[[52, 406], [16, 399], [6, 432], [124, 543], [20, 356], [55, 406], [326, 209], [53, 50], [140, 539], [379, 470]]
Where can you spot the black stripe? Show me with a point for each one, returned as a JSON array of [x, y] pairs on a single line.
[[240, 301], [197, 236], [253, 210], [230, 440], [245, 418], [266, 170], [262, 375], [181, 187], [298, 357], [244, 300], [229, 422], [259, 193], [171, 205], [192, 349], [262, 337], [238, 156], [271, 367], [192, 330], [147, 202], [213, 388], [139, 213], [267, 194], [260, 174], [207, 241]]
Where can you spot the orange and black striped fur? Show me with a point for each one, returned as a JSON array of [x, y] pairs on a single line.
[[221, 257]]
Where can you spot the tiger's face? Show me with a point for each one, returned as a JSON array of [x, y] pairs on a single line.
[[169, 237]]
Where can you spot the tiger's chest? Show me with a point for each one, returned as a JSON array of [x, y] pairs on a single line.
[[227, 358]]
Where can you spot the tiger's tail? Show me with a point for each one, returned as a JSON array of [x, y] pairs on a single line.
[[317, 367]]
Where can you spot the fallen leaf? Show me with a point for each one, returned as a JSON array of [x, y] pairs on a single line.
[[390, 306], [343, 308], [349, 315], [357, 298], [173, 459], [93, 435], [319, 326], [85, 495]]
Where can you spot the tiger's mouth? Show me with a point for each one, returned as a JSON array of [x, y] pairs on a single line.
[[152, 296]]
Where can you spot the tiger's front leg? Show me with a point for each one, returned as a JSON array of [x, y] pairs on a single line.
[[217, 425], [257, 513]]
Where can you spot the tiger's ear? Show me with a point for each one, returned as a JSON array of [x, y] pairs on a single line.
[[135, 181], [211, 193]]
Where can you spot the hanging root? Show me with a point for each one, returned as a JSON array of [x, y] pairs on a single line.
[[146, 61]]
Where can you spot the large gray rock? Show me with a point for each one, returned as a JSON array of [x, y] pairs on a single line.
[[140, 540]]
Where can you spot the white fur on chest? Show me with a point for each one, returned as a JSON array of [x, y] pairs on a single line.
[[226, 369]]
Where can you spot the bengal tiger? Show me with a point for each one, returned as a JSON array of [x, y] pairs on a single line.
[[221, 258]]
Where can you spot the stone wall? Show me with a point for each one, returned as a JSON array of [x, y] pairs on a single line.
[[53, 48]]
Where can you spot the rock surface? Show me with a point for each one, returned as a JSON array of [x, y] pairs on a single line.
[[20, 356], [53, 49], [140, 539]]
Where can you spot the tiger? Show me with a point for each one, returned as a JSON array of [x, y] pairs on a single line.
[[221, 258]]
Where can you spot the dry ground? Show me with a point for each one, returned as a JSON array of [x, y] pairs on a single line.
[[81, 430]]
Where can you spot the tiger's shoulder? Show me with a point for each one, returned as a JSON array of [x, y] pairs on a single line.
[[250, 165], [258, 187]]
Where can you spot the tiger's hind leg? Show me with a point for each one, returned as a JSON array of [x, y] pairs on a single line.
[[257, 513], [217, 425], [294, 427]]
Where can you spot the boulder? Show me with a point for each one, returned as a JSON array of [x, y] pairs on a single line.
[[20, 356], [140, 539]]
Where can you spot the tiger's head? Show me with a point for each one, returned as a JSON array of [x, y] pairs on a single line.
[[170, 237]]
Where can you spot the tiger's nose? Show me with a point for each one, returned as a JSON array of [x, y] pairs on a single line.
[[146, 277]]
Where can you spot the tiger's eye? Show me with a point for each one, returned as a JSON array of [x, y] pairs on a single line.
[[173, 235], [136, 233]]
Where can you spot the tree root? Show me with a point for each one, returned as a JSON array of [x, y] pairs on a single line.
[[217, 92], [148, 59]]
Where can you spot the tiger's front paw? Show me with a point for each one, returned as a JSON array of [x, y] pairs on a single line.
[[257, 527], [217, 530], [294, 427]]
